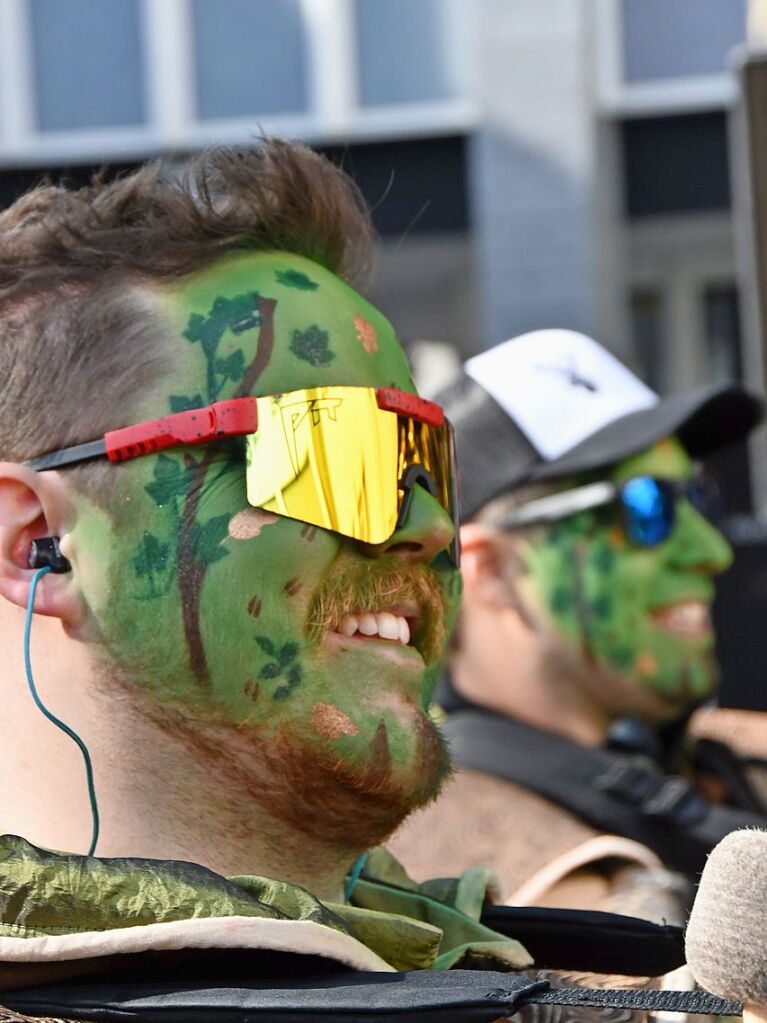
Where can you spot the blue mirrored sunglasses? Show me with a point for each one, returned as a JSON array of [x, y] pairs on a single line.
[[648, 504]]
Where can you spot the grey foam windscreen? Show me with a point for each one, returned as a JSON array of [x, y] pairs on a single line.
[[726, 938]]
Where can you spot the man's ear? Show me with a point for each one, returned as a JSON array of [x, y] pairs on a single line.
[[484, 565], [33, 505]]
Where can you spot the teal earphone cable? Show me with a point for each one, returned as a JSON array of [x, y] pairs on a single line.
[[52, 717], [354, 875]]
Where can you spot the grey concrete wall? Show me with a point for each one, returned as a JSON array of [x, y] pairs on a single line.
[[537, 210]]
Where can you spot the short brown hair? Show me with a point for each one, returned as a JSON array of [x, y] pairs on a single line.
[[75, 338]]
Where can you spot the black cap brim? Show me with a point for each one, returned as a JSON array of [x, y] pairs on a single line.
[[704, 420]]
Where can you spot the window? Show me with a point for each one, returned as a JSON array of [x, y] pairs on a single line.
[[250, 57], [406, 52], [647, 334], [721, 320], [676, 164], [87, 63], [673, 38]]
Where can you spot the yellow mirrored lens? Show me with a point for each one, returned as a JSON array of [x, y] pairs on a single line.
[[421, 444], [327, 456], [431, 447]]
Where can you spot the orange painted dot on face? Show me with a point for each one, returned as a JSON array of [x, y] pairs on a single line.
[[647, 664], [617, 536], [331, 722], [366, 333]]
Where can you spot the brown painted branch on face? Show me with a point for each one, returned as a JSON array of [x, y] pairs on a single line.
[[192, 568]]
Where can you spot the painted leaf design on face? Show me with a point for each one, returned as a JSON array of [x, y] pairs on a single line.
[[604, 559], [206, 539], [295, 279], [171, 480], [311, 345], [561, 601], [284, 665], [294, 678], [151, 565], [266, 645], [178, 482], [239, 313], [232, 367], [601, 606], [288, 653], [183, 403]]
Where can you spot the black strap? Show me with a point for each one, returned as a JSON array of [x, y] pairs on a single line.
[[647, 999], [728, 767], [590, 940], [615, 792], [455, 996]]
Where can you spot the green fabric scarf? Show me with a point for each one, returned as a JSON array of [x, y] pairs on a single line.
[[428, 926]]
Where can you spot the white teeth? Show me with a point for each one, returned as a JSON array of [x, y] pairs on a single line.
[[368, 625], [690, 616], [349, 625], [388, 626], [379, 623], [404, 631]]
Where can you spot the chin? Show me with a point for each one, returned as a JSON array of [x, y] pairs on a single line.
[[359, 802]]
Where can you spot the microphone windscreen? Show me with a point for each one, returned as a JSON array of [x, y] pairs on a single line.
[[726, 939]]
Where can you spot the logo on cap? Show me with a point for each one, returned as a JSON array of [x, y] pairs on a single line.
[[572, 376]]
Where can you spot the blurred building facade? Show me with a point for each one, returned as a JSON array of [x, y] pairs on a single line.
[[530, 164]]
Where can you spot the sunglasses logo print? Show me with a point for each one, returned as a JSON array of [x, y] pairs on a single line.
[[295, 415], [571, 374]]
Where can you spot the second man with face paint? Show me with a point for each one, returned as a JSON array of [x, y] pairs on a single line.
[[585, 632]]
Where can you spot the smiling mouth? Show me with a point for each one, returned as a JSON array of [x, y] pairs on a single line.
[[688, 618], [394, 626]]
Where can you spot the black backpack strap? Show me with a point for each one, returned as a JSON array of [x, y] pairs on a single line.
[[648, 1000], [590, 940], [730, 768], [454, 996], [615, 792]]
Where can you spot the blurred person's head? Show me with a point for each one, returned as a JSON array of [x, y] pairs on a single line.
[[274, 635], [588, 559]]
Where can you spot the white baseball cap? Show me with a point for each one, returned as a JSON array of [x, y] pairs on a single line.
[[553, 403]]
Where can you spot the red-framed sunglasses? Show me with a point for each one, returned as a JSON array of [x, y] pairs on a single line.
[[342, 458]]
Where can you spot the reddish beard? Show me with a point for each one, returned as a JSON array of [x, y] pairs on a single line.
[[358, 805], [315, 791]]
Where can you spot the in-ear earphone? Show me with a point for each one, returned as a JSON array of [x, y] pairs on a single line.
[[46, 553]]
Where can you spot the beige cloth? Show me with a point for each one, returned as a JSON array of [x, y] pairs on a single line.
[[545, 856], [542, 852]]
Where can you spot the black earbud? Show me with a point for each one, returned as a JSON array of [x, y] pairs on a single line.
[[46, 553]]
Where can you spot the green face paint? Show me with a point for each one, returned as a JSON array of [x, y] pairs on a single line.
[[637, 611], [209, 600]]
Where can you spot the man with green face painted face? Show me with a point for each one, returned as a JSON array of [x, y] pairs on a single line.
[[229, 521], [589, 569]]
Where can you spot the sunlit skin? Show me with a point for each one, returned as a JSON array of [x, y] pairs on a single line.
[[609, 598], [205, 601]]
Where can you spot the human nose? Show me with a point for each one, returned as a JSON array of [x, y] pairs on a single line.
[[426, 531], [698, 544]]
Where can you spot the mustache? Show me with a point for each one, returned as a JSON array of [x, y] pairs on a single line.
[[352, 588]]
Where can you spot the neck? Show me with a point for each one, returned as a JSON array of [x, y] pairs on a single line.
[[506, 667], [175, 804], [157, 797]]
